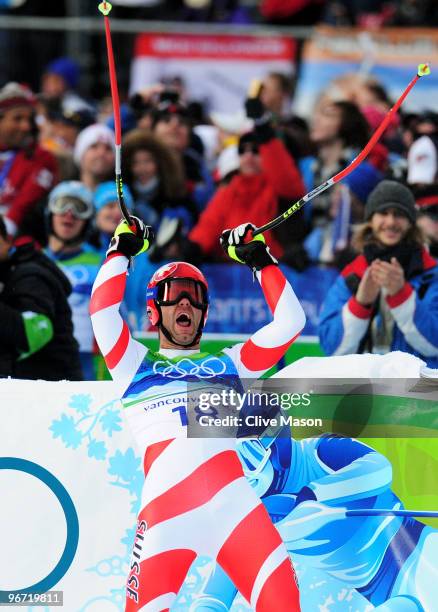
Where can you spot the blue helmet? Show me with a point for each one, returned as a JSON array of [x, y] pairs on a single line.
[[107, 192]]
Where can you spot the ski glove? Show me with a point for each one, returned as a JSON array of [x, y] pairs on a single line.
[[256, 111], [131, 240], [241, 246]]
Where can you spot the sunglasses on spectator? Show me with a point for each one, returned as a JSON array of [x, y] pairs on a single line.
[[78, 208], [430, 211], [248, 148]]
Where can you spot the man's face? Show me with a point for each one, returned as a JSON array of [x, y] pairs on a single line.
[[98, 160], [65, 132], [53, 85], [182, 321], [67, 226], [16, 127], [249, 157], [390, 226], [174, 131], [429, 225]]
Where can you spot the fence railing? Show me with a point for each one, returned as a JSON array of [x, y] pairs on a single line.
[[132, 26]]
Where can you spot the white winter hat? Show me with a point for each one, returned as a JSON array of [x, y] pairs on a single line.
[[90, 136], [422, 162], [228, 161], [233, 123]]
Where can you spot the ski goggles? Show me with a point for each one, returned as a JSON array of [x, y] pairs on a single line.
[[170, 291], [79, 208]]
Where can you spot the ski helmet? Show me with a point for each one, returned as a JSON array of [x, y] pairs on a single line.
[[74, 196], [168, 285]]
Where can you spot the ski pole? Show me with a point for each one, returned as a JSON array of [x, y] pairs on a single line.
[[423, 70], [105, 9], [389, 512]]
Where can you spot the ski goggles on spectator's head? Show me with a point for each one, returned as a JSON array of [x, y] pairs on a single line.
[[79, 208], [170, 291], [248, 147]]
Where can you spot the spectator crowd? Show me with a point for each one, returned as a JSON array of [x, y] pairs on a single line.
[[190, 175]]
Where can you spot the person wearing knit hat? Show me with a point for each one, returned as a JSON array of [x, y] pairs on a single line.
[[387, 298], [67, 72], [27, 172], [391, 194], [108, 214], [14, 95], [60, 82], [94, 154]]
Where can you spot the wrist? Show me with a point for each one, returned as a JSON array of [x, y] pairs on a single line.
[[398, 298], [358, 309], [256, 255]]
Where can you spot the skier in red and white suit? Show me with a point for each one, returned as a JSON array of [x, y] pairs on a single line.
[[195, 498]]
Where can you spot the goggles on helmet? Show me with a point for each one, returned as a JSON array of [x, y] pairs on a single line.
[[79, 208], [170, 291]]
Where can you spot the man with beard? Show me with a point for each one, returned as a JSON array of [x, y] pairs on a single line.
[[195, 498], [387, 298]]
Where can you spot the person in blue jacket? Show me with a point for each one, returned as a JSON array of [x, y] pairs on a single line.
[[387, 298], [306, 486]]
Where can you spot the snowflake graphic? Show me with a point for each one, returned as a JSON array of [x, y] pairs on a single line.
[[84, 425]]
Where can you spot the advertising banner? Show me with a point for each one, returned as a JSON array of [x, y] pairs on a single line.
[[389, 54], [71, 481], [216, 69], [238, 305]]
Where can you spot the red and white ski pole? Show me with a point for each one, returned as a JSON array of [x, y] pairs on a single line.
[[423, 70], [105, 9]]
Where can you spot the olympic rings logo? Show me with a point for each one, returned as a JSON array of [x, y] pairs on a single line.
[[209, 368], [71, 517]]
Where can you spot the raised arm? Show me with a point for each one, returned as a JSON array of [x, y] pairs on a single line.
[[266, 347], [123, 355]]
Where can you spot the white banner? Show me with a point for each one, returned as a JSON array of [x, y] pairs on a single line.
[[70, 484], [216, 69]]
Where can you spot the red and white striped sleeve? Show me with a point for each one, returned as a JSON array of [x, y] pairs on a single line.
[[123, 355], [266, 347]]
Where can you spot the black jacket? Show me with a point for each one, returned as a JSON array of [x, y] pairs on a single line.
[[29, 281]]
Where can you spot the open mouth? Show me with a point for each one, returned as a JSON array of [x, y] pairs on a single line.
[[184, 320]]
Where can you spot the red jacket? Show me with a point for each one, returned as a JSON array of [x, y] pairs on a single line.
[[30, 177], [250, 198]]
